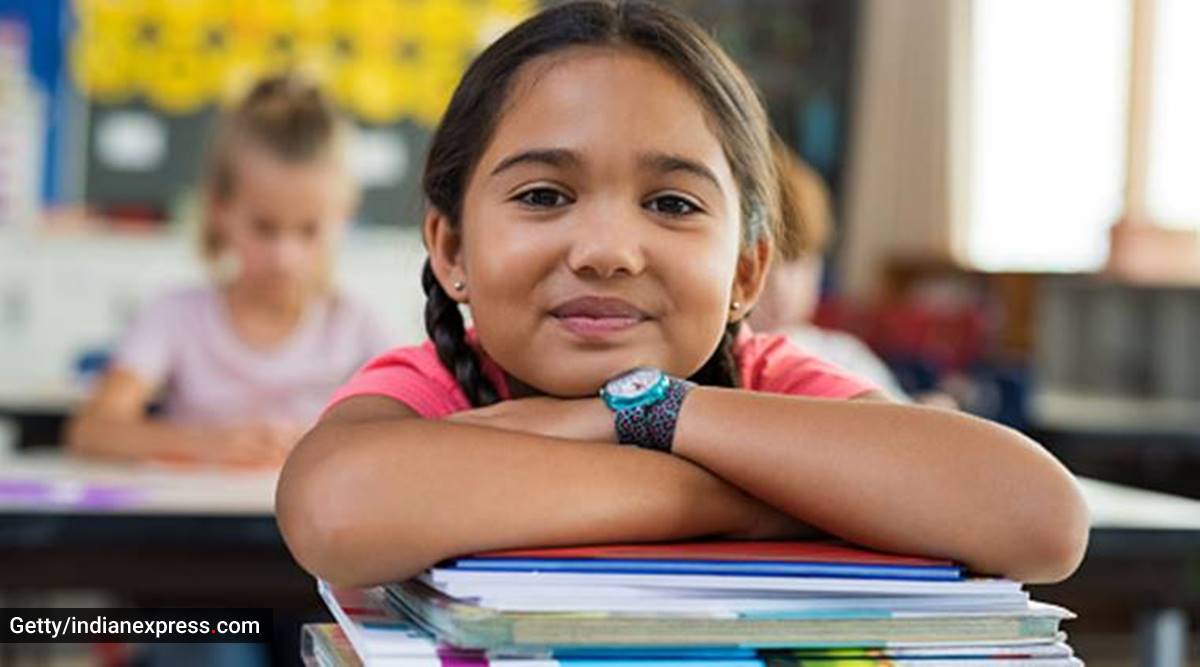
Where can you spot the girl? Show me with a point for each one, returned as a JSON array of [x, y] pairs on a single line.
[[793, 285], [600, 192], [246, 362]]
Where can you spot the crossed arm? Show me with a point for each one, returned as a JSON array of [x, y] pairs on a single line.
[[375, 493]]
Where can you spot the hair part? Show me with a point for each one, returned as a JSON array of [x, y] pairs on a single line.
[[731, 101]]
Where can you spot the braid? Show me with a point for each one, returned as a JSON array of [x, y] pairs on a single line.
[[444, 324], [721, 369]]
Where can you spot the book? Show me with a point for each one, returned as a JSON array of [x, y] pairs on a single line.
[[458, 582], [326, 645], [376, 635], [697, 604], [817, 559], [465, 624]]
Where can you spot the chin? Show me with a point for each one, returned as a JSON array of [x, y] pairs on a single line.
[[572, 387], [569, 379]]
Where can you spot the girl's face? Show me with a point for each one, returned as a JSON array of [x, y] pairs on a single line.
[[600, 227], [282, 221]]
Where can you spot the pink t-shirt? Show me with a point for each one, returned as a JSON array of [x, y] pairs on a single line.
[[184, 344], [414, 376]]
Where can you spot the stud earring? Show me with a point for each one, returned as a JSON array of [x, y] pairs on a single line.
[[459, 285], [736, 305]]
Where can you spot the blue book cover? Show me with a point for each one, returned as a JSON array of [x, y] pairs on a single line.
[[740, 558]]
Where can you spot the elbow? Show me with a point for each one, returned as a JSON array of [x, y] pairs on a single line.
[[328, 534], [1055, 542], [315, 532], [317, 544]]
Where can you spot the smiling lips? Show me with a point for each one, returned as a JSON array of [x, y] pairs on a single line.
[[595, 317]]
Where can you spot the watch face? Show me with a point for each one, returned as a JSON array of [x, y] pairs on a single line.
[[634, 383]]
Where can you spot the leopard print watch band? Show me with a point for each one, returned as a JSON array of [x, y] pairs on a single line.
[[653, 426]]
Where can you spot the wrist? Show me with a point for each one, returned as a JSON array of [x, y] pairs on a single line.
[[645, 403], [584, 419], [596, 420]]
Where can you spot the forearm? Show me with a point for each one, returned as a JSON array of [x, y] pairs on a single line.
[[362, 503], [895, 477], [122, 438]]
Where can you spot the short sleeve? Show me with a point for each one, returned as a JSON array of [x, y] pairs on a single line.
[[410, 375], [772, 363], [145, 348], [805, 375]]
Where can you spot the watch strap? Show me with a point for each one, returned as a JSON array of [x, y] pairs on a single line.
[[653, 426]]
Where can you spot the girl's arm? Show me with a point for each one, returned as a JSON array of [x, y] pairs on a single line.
[[112, 424], [895, 477], [375, 493]]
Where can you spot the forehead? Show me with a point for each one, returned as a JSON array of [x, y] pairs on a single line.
[[267, 181], [617, 99]]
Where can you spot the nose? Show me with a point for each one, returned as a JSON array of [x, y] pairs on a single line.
[[607, 242], [288, 255]]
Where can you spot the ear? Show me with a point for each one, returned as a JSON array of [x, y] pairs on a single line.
[[444, 245], [753, 264]]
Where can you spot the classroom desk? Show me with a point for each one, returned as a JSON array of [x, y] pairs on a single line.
[[1143, 562], [1167, 462], [153, 531], [196, 536], [151, 535], [35, 411], [40, 396]]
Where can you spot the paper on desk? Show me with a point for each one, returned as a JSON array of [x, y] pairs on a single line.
[[67, 494]]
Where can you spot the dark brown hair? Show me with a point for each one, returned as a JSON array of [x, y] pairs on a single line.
[[730, 99]]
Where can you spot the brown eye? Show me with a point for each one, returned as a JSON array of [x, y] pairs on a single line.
[[543, 198], [672, 205]]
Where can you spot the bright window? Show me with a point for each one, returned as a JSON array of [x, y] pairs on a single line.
[[1048, 97], [1173, 170]]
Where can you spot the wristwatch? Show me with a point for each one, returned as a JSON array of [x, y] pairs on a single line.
[[645, 402]]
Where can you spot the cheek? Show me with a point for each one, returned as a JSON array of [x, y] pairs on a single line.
[[699, 281], [701, 284], [249, 248], [504, 264], [314, 248], [700, 270]]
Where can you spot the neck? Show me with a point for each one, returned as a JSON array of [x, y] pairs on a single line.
[[275, 304], [518, 389]]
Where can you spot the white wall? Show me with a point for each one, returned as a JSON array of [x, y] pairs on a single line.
[[903, 175], [62, 295]]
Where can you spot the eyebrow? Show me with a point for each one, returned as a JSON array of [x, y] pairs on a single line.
[[554, 157], [663, 163]]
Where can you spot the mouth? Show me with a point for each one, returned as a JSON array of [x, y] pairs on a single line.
[[594, 317]]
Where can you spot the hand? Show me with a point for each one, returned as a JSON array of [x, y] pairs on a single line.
[[252, 445], [764, 522], [572, 418]]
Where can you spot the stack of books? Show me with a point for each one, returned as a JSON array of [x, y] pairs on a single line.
[[704, 604]]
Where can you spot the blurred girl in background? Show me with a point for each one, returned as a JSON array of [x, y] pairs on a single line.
[[793, 288], [243, 364]]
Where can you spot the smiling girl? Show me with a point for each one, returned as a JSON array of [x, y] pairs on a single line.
[[601, 197]]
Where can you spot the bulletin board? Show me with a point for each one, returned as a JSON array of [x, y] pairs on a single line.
[[152, 76]]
